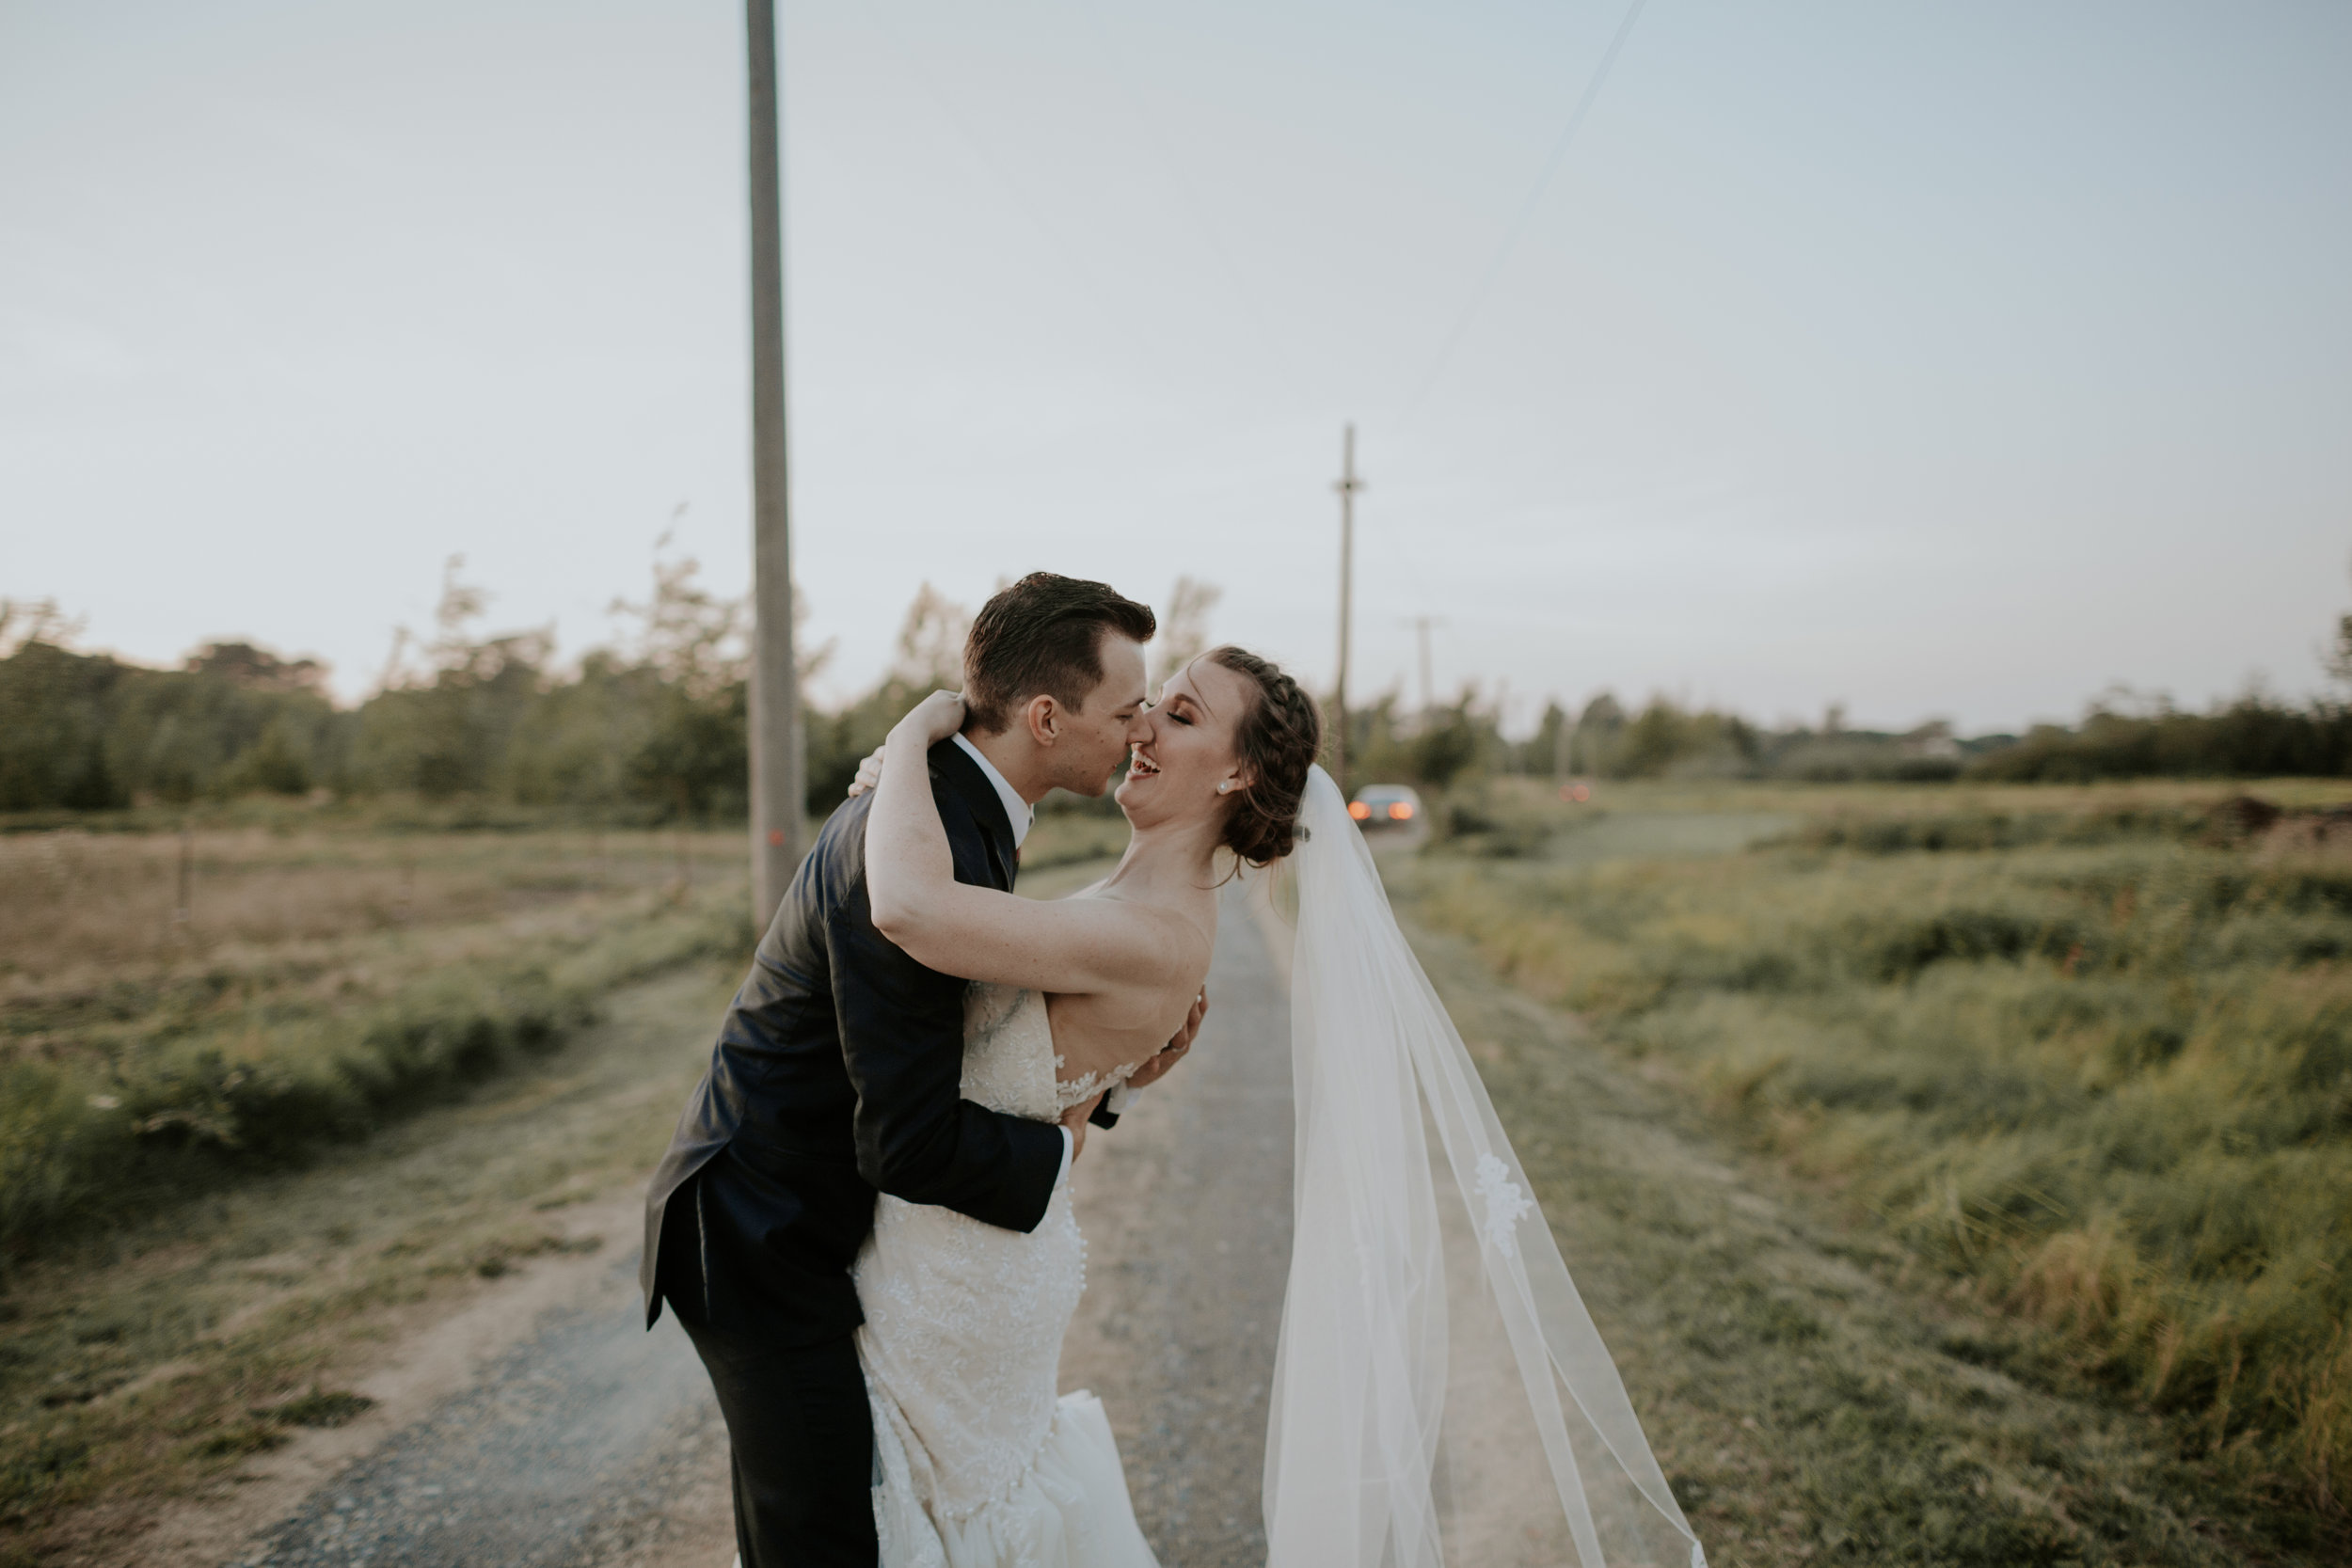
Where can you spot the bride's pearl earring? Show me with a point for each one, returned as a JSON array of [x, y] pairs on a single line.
[[1224, 785]]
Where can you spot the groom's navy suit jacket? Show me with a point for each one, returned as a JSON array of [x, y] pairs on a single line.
[[838, 1071]]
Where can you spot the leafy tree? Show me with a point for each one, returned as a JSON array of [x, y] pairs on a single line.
[[54, 711], [1448, 743], [1593, 747], [441, 730], [86, 731], [693, 669], [1183, 634], [930, 644]]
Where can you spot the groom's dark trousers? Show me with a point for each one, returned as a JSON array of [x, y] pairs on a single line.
[[837, 1073]]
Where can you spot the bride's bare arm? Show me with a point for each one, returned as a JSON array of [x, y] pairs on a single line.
[[1081, 947]]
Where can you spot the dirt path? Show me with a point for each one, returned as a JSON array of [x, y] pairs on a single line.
[[572, 1437], [520, 1415], [589, 1441]]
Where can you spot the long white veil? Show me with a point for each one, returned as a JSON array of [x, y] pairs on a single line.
[[1439, 1386]]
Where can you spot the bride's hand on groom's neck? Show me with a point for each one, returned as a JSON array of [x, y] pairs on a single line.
[[869, 772], [932, 720]]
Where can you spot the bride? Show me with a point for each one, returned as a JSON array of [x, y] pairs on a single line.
[[980, 1462]]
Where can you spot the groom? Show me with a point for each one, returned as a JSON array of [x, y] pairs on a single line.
[[837, 1074]]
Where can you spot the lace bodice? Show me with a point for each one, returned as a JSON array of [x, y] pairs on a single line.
[[965, 1320], [1009, 1060], [1078, 1091], [1000, 1061], [1000, 1056]]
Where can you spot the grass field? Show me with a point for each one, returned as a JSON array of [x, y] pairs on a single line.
[[194, 1280], [2088, 1053], [2022, 1239], [153, 1362], [1815, 1394], [178, 1009], [239, 1142]]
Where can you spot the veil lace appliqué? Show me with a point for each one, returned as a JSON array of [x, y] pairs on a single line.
[[1507, 1203], [1441, 1392]]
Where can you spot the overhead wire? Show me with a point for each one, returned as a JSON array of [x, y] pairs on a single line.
[[1397, 529], [1527, 209], [1270, 341], [1274, 343], [1058, 242]]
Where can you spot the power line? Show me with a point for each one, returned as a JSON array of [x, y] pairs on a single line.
[[1527, 212], [1056, 241], [1271, 339]]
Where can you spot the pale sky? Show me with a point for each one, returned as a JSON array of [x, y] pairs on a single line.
[[1944, 361]]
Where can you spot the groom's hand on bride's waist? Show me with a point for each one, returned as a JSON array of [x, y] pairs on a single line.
[[1173, 1051]]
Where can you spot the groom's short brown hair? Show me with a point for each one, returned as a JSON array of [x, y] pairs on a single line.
[[1044, 634]]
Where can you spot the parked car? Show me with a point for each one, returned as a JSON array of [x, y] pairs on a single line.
[[1384, 806]]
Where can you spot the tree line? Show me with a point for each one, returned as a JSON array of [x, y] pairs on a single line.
[[651, 726]]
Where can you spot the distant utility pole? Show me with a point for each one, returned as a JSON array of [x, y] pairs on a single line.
[[1347, 486], [1428, 691], [776, 790]]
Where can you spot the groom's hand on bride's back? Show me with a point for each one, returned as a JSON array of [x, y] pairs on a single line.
[[1077, 1116], [1173, 1051]]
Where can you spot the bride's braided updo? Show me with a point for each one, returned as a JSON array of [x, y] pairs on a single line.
[[1278, 740]]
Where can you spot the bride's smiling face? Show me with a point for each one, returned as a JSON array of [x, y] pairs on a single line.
[[1190, 746]]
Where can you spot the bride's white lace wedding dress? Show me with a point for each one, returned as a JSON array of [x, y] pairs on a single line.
[[981, 1464]]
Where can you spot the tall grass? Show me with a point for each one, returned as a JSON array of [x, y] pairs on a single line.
[[319, 984], [2097, 1060]]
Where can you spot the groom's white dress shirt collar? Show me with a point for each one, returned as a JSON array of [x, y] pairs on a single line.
[[1017, 811]]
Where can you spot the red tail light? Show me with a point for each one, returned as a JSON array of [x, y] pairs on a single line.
[[1359, 811], [1399, 811]]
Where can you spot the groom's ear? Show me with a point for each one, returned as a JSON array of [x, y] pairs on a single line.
[[1043, 715]]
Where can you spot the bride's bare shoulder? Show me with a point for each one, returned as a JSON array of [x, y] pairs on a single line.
[[1190, 911]]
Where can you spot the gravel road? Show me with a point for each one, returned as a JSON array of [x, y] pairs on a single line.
[[1187, 1209], [590, 1442]]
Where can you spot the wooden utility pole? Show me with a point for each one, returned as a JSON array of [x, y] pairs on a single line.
[[776, 789], [1347, 486]]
